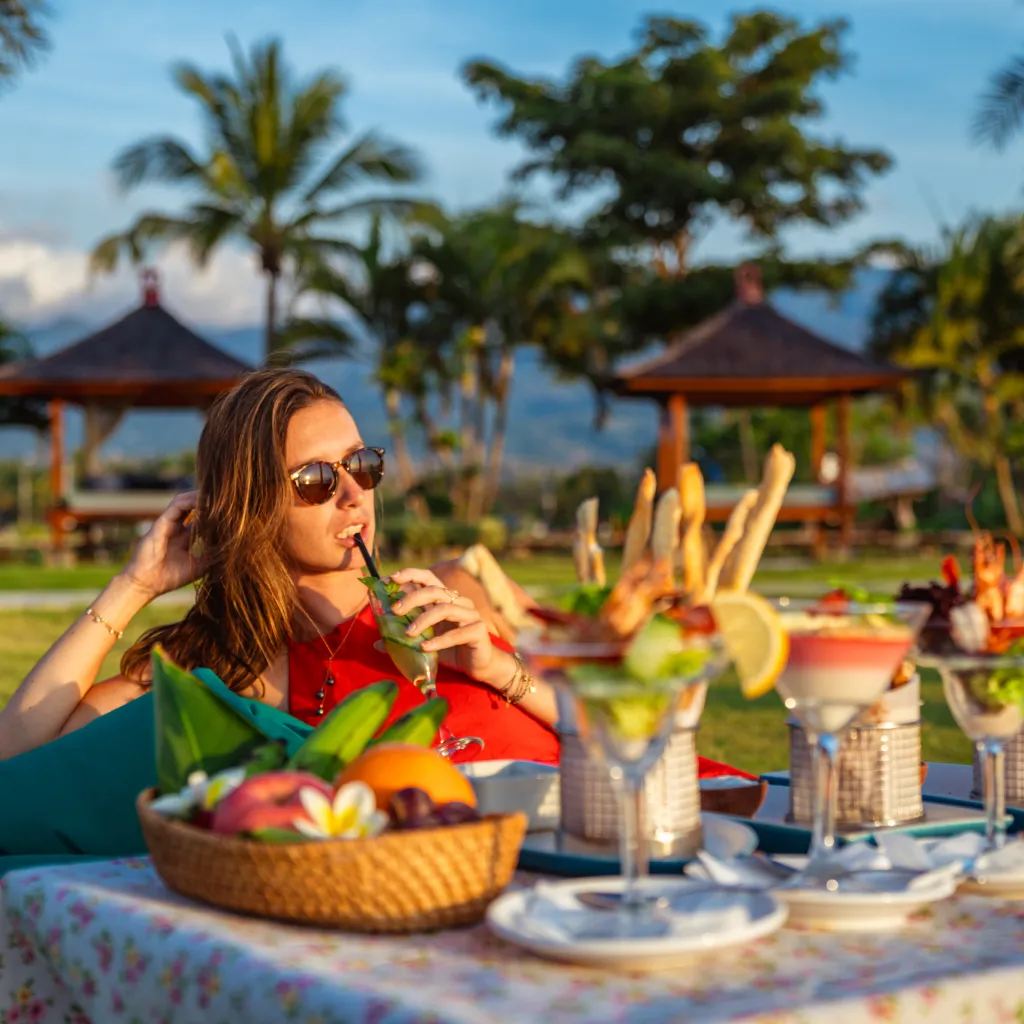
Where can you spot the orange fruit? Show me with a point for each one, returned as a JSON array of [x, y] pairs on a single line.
[[389, 767]]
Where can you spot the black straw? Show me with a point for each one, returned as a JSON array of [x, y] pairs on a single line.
[[367, 557]]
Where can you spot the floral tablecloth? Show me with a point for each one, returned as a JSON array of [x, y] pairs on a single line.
[[107, 942]]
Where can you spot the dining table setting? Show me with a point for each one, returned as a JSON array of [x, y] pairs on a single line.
[[385, 871]]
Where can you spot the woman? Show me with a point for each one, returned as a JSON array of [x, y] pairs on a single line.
[[285, 481]]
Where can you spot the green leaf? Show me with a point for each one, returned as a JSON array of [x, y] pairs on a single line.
[[195, 729], [280, 835]]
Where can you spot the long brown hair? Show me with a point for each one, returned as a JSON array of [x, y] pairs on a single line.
[[246, 599]]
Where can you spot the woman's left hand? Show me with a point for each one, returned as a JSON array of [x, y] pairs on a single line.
[[460, 636]]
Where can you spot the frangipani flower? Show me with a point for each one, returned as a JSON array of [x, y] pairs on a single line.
[[203, 792], [352, 814]]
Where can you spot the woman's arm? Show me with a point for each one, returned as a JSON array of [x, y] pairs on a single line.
[[462, 640], [46, 701], [51, 692]]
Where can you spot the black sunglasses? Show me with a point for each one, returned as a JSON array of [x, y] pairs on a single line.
[[317, 482]]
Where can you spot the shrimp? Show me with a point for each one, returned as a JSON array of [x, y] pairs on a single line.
[[1014, 591], [989, 577]]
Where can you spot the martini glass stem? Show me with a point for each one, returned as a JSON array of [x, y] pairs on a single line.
[[632, 844], [825, 761], [994, 775]]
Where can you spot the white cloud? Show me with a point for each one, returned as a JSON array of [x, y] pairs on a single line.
[[39, 281]]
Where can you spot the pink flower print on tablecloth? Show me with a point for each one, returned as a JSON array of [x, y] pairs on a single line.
[[104, 946], [35, 1011], [83, 916], [134, 963]]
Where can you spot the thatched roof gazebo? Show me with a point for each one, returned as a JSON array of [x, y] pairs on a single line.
[[750, 355], [147, 359]]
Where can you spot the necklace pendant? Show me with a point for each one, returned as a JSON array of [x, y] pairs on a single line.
[[319, 712], [320, 694], [329, 681]]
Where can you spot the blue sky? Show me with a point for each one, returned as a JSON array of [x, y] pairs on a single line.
[[919, 67]]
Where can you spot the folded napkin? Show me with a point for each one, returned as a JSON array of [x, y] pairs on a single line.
[[927, 860], [970, 846], [552, 914]]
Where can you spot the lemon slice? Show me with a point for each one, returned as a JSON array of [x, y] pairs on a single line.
[[754, 637]]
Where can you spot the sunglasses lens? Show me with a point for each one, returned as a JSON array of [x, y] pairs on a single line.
[[366, 467], [316, 483]]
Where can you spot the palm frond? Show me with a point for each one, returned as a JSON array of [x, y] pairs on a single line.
[[370, 158], [22, 36], [160, 158], [205, 227], [1001, 109]]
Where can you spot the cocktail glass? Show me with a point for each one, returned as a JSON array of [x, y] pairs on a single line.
[[988, 717], [418, 666], [841, 661], [626, 723]]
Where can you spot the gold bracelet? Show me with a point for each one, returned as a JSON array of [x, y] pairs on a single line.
[[99, 620], [526, 684]]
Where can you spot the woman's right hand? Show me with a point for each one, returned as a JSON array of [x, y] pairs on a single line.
[[163, 560]]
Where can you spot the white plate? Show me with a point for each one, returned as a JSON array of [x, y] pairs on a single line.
[[845, 911], [506, 918], [502, 787], [1004, 885]]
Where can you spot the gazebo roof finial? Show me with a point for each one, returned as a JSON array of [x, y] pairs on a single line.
[[749, 285], [150, 287]]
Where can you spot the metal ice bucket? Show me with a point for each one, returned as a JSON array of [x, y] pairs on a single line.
[[1013, 761], [590, 805], [879, 776]]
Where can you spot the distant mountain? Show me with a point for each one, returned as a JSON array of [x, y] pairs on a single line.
[[552, 420]]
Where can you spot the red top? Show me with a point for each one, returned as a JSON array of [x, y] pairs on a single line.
[[475, 710]]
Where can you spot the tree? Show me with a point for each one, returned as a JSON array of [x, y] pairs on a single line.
[[447, 317], [261, 177], [682, 134], [958, 317], [22, 36], [19, 412]]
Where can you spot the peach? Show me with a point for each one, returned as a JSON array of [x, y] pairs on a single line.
[[267, 801]]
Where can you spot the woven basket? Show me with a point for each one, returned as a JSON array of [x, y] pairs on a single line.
[[1013, 760], [396, 882], [879, 776], [590, 807]]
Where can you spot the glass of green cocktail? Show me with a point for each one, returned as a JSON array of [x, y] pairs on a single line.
[[407, 654]]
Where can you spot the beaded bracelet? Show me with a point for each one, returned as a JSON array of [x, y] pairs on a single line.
[[99, 620]]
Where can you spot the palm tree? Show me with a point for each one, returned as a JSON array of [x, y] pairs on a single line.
[[261, 177], [22, 37], [959, 319]]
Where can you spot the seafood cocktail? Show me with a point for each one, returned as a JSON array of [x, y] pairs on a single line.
[[625, 693], [407, 654], [842, 659]]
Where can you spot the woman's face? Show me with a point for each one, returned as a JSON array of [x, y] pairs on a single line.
[[318, 538]]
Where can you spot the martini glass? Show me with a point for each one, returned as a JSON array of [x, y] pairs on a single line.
[[626, 723], [841, 661], [988, 716], [418, 666]]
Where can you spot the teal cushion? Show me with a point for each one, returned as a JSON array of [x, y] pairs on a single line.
[[76, 794]]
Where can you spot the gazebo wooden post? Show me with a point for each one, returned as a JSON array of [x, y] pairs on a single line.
[[56, 411], [819, 430], [673, 441], [845, 508]]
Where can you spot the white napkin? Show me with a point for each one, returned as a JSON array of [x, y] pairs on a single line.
[[553, 914], [1007, 861], [931, 859]]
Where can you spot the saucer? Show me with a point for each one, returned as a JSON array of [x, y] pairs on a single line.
[[847, 911], [714, 921]]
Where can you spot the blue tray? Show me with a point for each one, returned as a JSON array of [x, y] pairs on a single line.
[[944, 816], [556, 853]]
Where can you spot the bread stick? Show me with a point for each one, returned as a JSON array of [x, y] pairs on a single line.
[[638, 532], [730, 538], [692, 513], [665, 534], [741, 565]]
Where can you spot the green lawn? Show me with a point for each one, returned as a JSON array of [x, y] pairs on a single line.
[[750, 735]]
